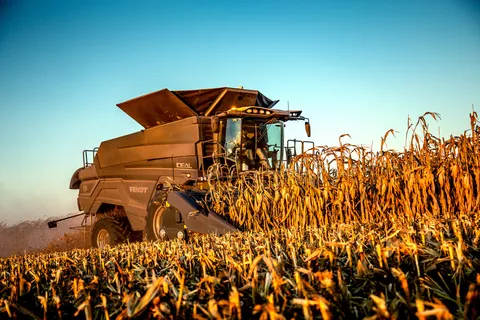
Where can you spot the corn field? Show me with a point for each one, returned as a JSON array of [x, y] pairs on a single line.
[[432, 179], [344, 233]]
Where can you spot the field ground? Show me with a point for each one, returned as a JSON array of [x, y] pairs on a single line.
[[344, 271]]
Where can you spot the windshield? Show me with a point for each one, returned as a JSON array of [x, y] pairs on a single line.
[[252, 144]]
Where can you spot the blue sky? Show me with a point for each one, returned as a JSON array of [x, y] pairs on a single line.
[[357, 67]]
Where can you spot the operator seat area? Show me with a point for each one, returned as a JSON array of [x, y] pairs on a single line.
[[256, 149], [247, 143]]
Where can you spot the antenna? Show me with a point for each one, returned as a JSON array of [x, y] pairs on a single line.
[[288, 105]]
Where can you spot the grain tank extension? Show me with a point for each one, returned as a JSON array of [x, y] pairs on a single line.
[[125, 184]]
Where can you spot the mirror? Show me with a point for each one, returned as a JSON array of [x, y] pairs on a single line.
[[307, 128], [215, 125]]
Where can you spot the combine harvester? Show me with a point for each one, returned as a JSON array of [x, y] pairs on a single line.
[[124, 185]]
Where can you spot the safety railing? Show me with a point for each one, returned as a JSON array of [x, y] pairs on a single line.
[[89, 157]]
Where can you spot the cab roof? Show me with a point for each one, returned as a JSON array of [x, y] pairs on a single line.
[[166, 106]]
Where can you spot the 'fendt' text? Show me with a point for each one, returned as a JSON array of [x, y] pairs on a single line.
[[138, 189]]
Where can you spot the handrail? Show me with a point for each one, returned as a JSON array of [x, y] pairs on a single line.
[[86, 162]]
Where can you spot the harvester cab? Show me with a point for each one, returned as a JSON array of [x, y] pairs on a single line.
[[252, 138], [144, 184]]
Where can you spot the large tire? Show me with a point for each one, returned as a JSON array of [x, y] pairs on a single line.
[[164, 223], [109, 231]]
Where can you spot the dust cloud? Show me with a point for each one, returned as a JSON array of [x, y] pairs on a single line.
[[34, 236]]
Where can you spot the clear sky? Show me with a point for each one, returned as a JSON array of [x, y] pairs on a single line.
[[357, 67]]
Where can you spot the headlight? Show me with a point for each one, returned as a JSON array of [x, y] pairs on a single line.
[[255, 110], [249, 111], [267, 112], [262, 111]]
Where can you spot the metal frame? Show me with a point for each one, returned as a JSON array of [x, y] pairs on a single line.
[[292, 145], [53, 223], [86, 162]]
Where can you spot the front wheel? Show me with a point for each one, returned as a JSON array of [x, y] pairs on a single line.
[[108, 231], [164, 222]]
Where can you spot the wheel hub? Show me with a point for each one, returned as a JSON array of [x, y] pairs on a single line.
[[103, 238]]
